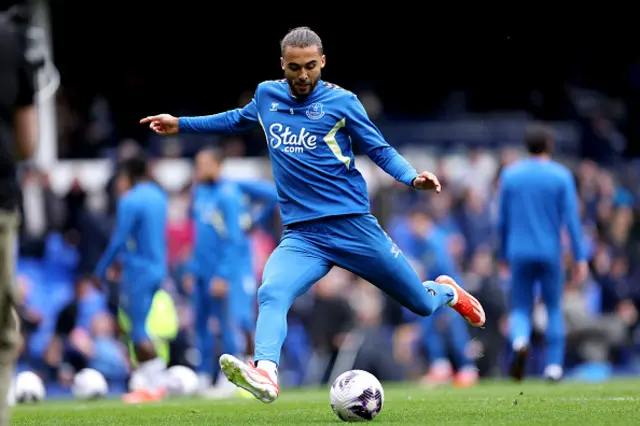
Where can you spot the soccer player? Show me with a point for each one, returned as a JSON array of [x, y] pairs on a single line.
[[428, 245], [139, 238], [324, 205], [216, 208], [538, 199]]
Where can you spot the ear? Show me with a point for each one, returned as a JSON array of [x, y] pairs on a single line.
[[282, 63], [323, 61]]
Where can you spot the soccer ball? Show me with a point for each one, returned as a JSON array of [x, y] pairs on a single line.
[[89, 384], [29, 388], [356, 396], [182, 381]]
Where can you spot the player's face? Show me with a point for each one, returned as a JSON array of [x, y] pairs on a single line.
[[420, 224], [302, 66], [207, 167], [123, 184]]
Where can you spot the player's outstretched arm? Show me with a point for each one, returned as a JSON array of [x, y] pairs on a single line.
[[572, 220], [385, 156], [125, 219], [503, 213], [236, 120], [262, 192]]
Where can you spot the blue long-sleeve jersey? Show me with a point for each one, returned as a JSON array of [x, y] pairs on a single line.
[[537, 200], [224, 214], [310, 147], [139, 235]]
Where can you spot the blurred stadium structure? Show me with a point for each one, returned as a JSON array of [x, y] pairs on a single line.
[[89, 123]]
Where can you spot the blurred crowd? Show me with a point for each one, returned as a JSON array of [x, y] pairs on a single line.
[[343, 321]]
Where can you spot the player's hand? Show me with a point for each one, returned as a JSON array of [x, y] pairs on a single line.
[[580, 272], [188, 283], [218, 288], [427, 181], [163, 124]]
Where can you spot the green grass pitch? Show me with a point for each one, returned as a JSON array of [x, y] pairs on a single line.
[[490, 403]]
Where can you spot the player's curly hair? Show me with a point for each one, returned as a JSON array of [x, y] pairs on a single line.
[[301, 37]]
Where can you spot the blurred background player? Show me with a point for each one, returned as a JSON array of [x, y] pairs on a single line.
[[429, 245], [538, 199], [139, 240], [258, 204], [224, 218], [216, 207], [18, 138], [324, 202]]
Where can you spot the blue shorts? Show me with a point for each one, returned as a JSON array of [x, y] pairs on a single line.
[[357, 243], [136, 300]]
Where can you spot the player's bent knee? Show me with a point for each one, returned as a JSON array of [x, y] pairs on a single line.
[[271, 293]]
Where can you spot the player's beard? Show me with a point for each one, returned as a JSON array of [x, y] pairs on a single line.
[[311, 87]]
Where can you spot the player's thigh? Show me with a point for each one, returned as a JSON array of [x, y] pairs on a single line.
[[370, 253], [293, 267], [524, 276], [552, 283]]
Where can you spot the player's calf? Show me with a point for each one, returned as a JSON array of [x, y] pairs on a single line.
[[255, 380], [464, 303]]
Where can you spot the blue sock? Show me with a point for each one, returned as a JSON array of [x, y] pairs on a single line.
[[555, 337], [520, 329], [440, 294]]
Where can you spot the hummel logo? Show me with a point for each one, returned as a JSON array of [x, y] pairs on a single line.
[[274, 106]]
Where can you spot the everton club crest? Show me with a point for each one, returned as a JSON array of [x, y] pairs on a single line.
[[315, 111]]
